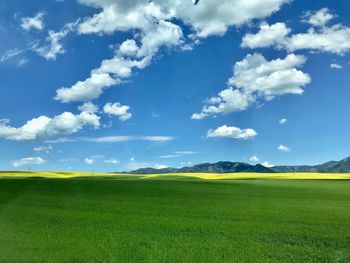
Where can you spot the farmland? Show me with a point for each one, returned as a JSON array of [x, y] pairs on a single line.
[[173, 218]]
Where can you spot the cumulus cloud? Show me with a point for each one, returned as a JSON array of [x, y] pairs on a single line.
[[254, 159], [254, 78], [154, 24], [283, 148], [86, 90], [45, 127], [320, 37], [318, 18], [116, 109], [128, 48], [36, 22], [267, 36], [129, 57], [232, 132], [205, 19], [88, 107], [28, 161], [334, 39], [283, 121]]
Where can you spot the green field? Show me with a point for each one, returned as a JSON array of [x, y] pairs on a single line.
[[179, 220]]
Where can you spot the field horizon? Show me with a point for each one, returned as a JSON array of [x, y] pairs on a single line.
[[174, 176]]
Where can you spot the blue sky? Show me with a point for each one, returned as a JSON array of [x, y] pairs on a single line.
[[114, 85]]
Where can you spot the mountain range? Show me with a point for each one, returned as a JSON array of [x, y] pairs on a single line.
[[342, 166]]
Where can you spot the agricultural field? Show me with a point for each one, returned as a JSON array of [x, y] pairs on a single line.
[[125, 218]]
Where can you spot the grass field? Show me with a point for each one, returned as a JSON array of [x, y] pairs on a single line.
[[194, 176], [179, 219]]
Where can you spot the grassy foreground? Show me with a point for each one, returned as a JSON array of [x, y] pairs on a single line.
[[105, 220]]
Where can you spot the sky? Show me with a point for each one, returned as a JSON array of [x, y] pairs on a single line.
[[112, 85]]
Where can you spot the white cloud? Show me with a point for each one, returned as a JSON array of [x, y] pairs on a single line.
[[269, 79], [89, 160], [116, 109], [112, 71], [232, 132], [283, 148], [14, 56], [169, 156], [109, 139], [134, 165], [267, 36], [93, 159], [333, 39], [113, 139], [283, 121], [154, 26], [267, 164], [88, 107], [22, 62], [160, 166], [43, 148], [319, 18], [28, 161], [157, 138], [208, 18], [178, 154], [54, 47], [336, 66], [111, 161], [128, 48], [36, 22], [86, 90], [8, 54], [45, 127], [199, 116], [254, 159], [320, 37], [254, 78]]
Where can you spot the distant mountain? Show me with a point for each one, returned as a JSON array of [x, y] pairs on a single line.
[[342, 166], [219, 167]]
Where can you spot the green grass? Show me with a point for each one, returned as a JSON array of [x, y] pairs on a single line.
[[109, 220]]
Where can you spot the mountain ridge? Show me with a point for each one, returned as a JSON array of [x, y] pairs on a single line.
[[342, 166]]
